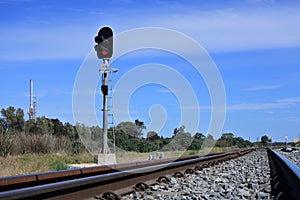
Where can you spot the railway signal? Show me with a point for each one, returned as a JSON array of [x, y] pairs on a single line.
[[104, 49], [104, 40]]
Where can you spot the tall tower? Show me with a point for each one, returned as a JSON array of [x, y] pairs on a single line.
[[32, 103]]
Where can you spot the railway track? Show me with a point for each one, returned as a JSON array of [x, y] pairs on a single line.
[[106, 182], [285, 176]]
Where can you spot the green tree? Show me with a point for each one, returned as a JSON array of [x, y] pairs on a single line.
[[3, 125], [44, 125], [70, 131], [125, 141], [199, 136], [96, 133], [196, 145], [152, 136], [181, 139], [179, 130], [209, 141], [227, 136], [20, 120], [130, 129], [226, 140], [14, 118], [165, 142], [241, 143], [140, 126], [222, 143], [9, 117], [58, 127], [30, 127], [264, 139], [197, 141], [146, 146], [87, 138]]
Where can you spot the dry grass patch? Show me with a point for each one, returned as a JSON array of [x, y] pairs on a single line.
[[34, 163]]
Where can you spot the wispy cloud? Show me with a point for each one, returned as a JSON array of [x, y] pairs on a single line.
[[279, 104], [83, 92], [290, 119], [290, 101], [168, 90], [240, 30], [272, 28], [254, 106], [264, 87], [44, 43], [15, 1], [118, 90], [38, 95], [264, 1]]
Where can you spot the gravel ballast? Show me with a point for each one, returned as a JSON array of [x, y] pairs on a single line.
[[246, 177]]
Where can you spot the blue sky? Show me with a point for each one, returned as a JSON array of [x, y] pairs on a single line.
[[255, 45]]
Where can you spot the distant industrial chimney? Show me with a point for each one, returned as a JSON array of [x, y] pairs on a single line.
[[32, 103]]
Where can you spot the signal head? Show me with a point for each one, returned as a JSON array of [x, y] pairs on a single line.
[[104, 40]]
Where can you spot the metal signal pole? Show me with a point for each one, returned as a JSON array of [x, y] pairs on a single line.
[[104, 49], [104, 88]]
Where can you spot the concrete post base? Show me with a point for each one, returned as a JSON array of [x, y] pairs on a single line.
[[105, 159]]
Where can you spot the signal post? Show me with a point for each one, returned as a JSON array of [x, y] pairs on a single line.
[[104, 49]]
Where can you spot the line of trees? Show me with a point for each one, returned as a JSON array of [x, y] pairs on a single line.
[[13, 121], [228, 140], [50, 135]]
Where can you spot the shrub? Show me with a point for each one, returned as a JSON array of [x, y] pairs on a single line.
[[6, 144], [58, 165]]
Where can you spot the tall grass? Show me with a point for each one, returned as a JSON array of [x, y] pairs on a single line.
[[21, 143]]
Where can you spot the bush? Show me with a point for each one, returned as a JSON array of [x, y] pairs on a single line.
[[6, 144], [58, 165], [42, 143]]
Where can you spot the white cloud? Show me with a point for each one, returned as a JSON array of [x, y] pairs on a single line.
[[264, 87]]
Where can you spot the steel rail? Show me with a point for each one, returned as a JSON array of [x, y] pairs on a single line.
[[29, 180], [285, 176], [122, 181]]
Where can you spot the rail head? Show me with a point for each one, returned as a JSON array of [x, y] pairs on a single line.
[[285, 176], [289, 164]]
